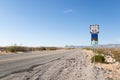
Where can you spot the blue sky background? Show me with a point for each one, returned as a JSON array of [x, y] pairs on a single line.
[[58, 22]]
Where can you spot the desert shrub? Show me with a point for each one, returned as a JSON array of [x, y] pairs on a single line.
[[16, 49], [113, 52], [42, 48], [98, 58], [100, 50], [88, 48], [116, 53], [51, 48]]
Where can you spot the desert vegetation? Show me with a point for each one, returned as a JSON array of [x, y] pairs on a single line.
[[113, 52], [16, 48], [98, 58]]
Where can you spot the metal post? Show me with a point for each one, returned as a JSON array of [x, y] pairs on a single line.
[[94, 54]]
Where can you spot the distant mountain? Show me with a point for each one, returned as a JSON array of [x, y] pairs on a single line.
[[110, 46], [99, 46]]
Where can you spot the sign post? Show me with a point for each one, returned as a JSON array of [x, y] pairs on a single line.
[[94, 30]]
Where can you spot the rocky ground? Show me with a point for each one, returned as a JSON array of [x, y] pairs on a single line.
[[75, 66]]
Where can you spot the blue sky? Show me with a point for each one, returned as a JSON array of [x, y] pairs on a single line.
[[58, 22]]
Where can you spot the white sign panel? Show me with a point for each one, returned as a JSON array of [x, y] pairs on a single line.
[[94, 29], [94, 42]]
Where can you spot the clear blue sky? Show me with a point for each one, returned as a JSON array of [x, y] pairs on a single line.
[[58, 22]]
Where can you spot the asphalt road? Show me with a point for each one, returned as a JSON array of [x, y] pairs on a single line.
[[12, 63]]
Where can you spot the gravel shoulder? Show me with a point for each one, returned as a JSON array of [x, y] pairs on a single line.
[[76, 66]]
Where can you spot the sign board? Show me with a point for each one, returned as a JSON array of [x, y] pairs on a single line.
[[94, 39], [94, 42], [94, 29]]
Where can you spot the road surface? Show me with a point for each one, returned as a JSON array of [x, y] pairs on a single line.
[[11, 63], [74, 64]]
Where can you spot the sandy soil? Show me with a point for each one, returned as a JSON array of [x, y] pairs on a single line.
[[75, 66], [112, 69]]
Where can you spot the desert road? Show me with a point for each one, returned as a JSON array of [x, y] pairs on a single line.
[[73, 64], [16, 62]]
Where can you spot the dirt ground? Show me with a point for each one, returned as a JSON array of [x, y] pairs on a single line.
[[75, 66], [112, 69]]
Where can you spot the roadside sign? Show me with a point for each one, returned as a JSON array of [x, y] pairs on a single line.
[[94, 37], [94, 42], [94, 29]]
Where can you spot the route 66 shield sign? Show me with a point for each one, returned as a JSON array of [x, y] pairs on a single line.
[[94, 29]]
